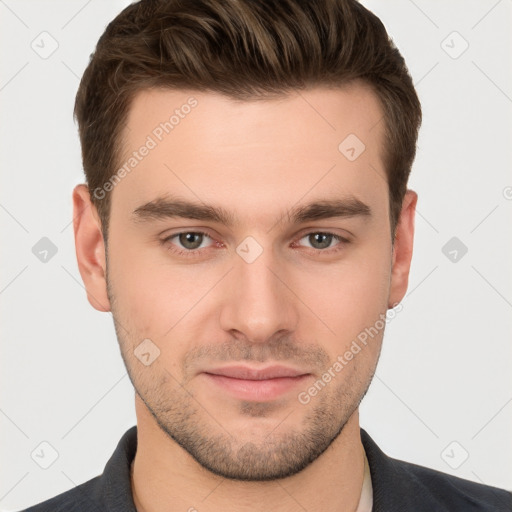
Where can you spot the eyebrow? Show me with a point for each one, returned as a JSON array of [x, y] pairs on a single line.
[[170, 208]]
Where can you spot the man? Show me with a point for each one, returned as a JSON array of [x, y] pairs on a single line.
[[246, 220]]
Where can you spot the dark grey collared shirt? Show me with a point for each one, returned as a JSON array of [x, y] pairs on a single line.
[[397, 487]]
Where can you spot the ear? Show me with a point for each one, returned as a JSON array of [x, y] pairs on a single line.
[[90, 249], [402, 249]]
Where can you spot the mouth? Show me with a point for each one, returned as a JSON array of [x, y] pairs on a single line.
[[256, 384]]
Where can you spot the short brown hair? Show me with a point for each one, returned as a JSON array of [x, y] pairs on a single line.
[[244, 49]]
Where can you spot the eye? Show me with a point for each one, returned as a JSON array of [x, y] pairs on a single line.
[[190, 243], [321, 241], [187, 241]]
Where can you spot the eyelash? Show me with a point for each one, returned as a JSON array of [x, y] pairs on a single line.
[[198, 252]]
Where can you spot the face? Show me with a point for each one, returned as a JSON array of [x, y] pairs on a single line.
[[248, 254]]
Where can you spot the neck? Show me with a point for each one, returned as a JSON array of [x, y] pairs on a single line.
[[165, 477]]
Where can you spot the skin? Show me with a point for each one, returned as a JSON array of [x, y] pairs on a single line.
[[296, 304]]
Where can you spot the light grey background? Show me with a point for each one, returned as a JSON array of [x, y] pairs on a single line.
[[442, 390]]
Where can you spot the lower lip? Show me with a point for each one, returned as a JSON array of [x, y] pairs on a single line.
[[257, 390]]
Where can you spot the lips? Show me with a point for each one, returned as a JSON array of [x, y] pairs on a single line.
[[247, 373], [255, 384]]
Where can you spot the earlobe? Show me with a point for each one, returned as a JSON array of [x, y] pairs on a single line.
[[90, 248], [402, 250]]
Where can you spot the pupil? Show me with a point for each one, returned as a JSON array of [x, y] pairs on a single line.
[[321, 240], [191, 240]]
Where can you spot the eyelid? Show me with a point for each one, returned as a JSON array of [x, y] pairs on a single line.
[[183, 232], [199, 230]]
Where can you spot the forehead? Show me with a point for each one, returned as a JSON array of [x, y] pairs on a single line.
[[321, 143], [353, 108]]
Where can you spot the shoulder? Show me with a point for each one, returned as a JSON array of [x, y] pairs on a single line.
[[456, 493], [82, 498], [110, 491], [400, 485]]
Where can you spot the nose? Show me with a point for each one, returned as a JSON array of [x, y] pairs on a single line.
[[258, 302]]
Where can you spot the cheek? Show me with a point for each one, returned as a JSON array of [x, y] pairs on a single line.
[[142, 295], [153, 297], [349, 297]]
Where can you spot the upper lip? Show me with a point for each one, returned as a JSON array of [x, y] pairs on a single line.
[[248, 373]]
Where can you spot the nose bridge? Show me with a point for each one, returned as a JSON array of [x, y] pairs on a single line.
[[260, 304]]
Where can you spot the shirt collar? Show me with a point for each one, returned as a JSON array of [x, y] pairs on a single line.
[[116, 489]]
